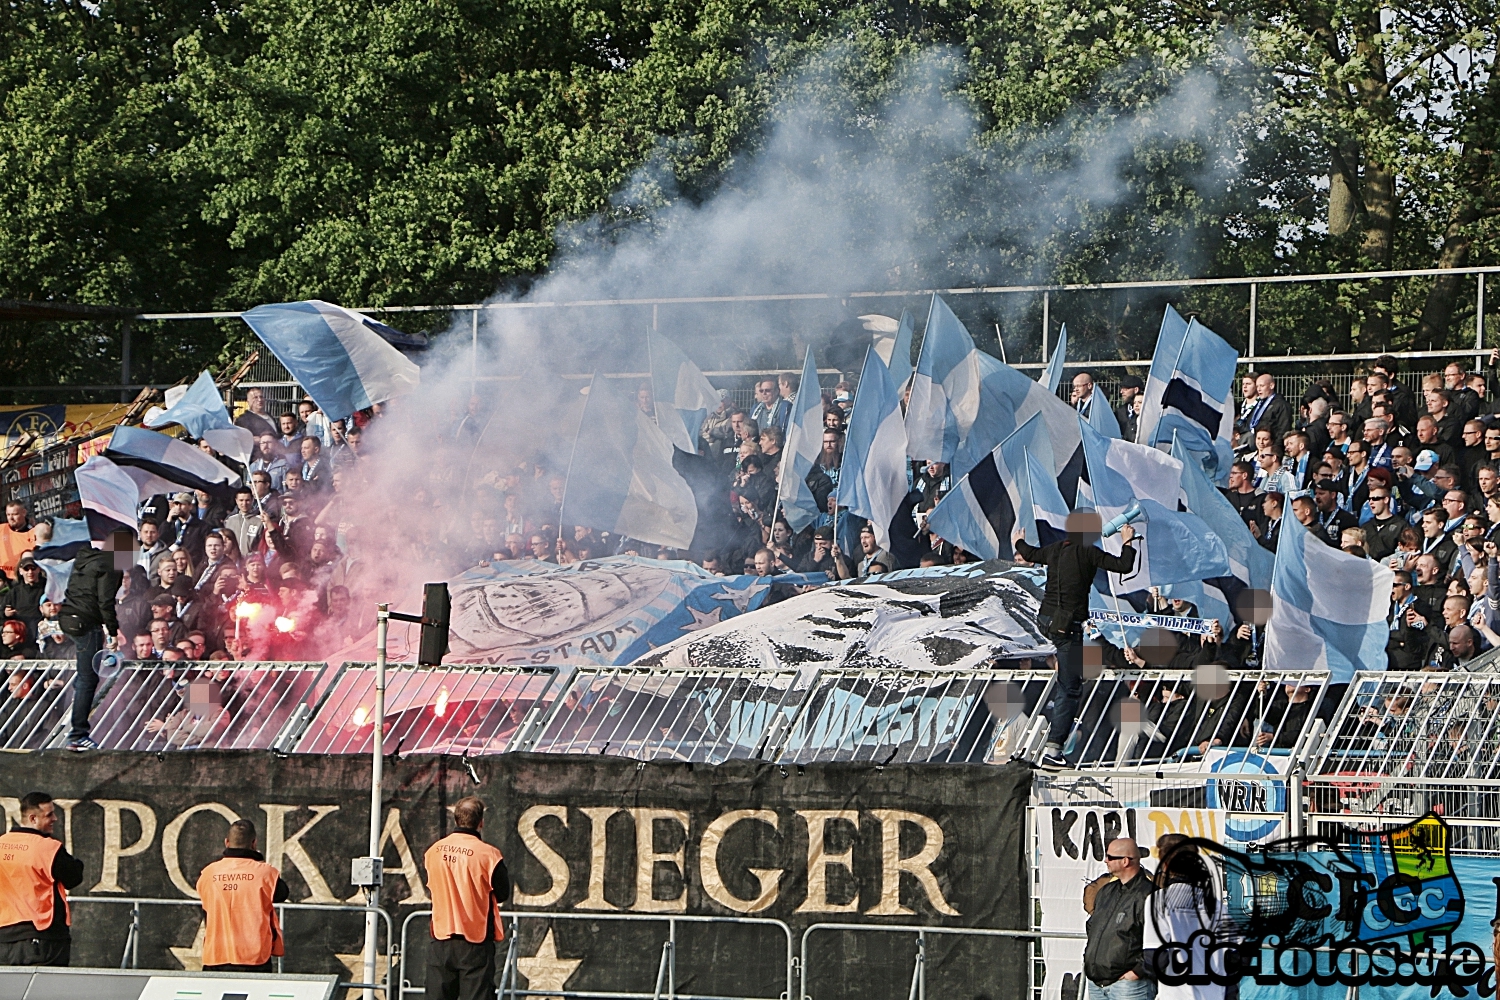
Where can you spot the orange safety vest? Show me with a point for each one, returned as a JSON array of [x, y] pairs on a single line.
[[242, 927], [458, 877], [26, 885]]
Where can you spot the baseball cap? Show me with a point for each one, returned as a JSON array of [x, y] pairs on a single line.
[[26, 560], [185, 498], [825, 533], [1426, 460], [1131, 382], [1326, 485], [841, 397]]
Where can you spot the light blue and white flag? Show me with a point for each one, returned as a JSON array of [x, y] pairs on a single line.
[[984, 509], [1249, 561], [1045, 513], [1188, 394], [873, 480], [683, 396], [1102, 418], [965, 403], [200, 411], [804, 441], [1175, 546], [620, 477], [334, 353], [899, 350], [1328, 608], [1053, 373]]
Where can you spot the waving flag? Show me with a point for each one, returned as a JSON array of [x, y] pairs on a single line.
[[983, 510], [1102, 418], [1176, 546], [339, 356], [683, 396], [945, 387], [1328, 608], [170, 459], [900, 360], [1044, 514], [804, 440], [1249, 561], [200, 411], [621, 477], [1052, 376], [873, 482], [1188, 394]]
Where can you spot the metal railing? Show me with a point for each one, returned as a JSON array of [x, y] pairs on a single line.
[[666, 972], [131, 956], [1171, 719], [918, 990], [37, 701], [459, 709], [224, 705]]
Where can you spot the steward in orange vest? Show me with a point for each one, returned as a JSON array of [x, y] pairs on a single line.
[[468, 883], [35, 872], [238, 893]]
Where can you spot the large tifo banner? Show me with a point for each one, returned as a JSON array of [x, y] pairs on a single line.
[[594, 836]]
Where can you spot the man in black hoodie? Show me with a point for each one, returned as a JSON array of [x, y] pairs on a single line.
[[88, 616], [1071, 566]]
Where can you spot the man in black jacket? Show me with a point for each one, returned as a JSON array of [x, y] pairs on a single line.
[[1071, 566], [88, 616], [1113, 960]]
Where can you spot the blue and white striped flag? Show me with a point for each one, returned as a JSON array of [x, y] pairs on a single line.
[[804, 440], [334, 353], [1249, 561], [900, 360], [683, 396], [620, 477], [173, 460], [1053, 373], [1188, 394], [983, 510], [200, 411], [873, 482], [1044, 511], [1328, 608]]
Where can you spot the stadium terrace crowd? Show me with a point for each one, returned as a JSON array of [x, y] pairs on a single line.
[[292, 568]]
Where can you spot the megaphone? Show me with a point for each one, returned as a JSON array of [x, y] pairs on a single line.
[[107, 663], [1129, 514]]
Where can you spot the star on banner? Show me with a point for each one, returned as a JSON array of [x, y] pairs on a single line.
[[702, 620], [741, 597], [545, 971], [355, 966], [191, 957]]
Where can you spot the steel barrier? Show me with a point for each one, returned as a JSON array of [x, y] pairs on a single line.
[[132, 955], [666, 970], [918, 989]]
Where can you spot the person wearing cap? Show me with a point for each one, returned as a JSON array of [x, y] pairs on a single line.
[[1131, 386], [188, 530], [239, 893], [23, 599], [35, 873], [468, 882], [1410, 639], [1331, 518], [871, 554], [819, 558]]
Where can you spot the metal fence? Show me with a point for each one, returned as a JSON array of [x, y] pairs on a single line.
[[461, 709], [1170, 719], [35, 703], [208, 706]]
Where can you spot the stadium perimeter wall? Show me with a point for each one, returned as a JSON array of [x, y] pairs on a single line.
[[940, 844]]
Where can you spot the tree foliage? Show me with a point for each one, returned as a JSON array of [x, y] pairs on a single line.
[[193, 154]]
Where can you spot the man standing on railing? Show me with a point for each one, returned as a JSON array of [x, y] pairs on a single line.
[[35, 874], [468, 882], [239, 893], [1071, 566]]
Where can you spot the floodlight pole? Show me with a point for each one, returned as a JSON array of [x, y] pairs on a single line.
[[377, 766]]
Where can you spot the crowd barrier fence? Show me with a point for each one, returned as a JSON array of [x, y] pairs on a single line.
[[666, 974], [130, 958]]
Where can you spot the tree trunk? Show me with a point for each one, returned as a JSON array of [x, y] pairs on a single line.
[[1475, 196], [1343, 183]]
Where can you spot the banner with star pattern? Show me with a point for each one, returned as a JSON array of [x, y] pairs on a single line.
[[593, 844]]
